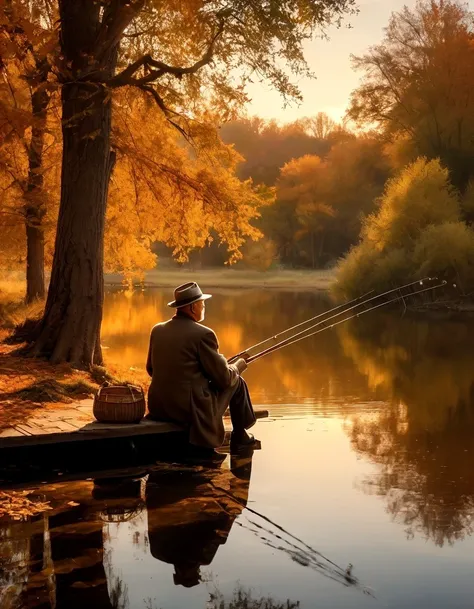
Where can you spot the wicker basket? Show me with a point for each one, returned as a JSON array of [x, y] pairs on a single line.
[[119, 404]]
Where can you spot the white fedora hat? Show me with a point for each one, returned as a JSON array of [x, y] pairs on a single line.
[[187, 294]]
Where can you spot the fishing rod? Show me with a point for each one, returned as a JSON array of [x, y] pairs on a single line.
[[294, 339], [262, 342], [366, 301]]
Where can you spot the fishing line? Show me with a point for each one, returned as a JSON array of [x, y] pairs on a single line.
[[297, 337], [367, 300], [345, 304]]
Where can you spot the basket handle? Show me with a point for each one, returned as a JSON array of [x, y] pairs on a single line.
[[129, 386], [104, 384]]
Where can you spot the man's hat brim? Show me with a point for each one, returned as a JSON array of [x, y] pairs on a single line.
[[182, 303]]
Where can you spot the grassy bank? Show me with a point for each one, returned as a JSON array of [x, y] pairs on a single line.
[[233, 278]]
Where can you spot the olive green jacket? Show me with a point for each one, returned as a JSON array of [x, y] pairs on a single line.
[[191, 381]]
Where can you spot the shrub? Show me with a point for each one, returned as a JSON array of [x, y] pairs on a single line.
[[355, 272], [416, 232], [391, 269], [419, 196], [259, 255], [446, 251]]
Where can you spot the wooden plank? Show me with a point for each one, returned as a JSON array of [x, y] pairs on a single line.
[[74, 423], [64, 426], [24, 431], [58, 431], [9, 432]]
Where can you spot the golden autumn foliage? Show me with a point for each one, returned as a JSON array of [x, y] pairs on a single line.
[[321, 200], [163, 189], [420, 196], [416, 231]]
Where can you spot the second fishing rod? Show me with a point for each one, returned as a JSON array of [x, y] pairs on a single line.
[[342, 310], [296, 338]]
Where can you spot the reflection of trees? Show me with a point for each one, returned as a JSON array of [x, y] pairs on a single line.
[[243, 599], [313, 369], [423, 440], [57, 559]]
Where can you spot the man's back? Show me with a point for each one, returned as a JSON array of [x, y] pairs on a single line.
[[187, 372]]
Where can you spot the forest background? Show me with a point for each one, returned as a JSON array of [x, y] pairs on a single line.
[[385, 195], [303, 190]]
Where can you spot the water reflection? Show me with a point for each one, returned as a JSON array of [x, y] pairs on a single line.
[[404, 384], [189, 517], [398, 392], [422, 439], [175, 515], [65, 558]]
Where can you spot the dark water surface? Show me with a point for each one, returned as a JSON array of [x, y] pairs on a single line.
[[366, 460]]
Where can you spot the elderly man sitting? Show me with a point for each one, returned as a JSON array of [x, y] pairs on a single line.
[[192, 384]]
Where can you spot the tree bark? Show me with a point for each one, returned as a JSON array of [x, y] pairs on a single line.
[[34, 204], [70, 328]]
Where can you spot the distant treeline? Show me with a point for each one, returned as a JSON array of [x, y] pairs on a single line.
[[324, 179], [374, 190]]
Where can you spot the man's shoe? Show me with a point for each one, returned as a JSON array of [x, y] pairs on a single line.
[[242, 440]]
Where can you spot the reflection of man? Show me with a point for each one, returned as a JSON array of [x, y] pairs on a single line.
[[192, 383], [189, 517]]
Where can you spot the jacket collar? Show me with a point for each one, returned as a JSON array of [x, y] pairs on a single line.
[[182, 316]]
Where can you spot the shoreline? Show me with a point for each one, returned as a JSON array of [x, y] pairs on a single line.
[[318, 280]]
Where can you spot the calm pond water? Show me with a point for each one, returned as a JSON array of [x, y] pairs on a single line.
[[367, 460]]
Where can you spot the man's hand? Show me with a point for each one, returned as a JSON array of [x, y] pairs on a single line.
[[241, 365], [244, 355]]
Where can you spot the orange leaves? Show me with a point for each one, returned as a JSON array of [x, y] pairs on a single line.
[[17, 506], [165, 190], [303, 184], [419, 83]]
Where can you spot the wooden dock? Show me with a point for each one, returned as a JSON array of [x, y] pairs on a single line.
[[76, 423]]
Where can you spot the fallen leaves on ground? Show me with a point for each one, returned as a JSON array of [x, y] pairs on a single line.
[[28, 385], [17, 505]]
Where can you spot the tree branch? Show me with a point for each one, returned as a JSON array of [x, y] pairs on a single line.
[[166, 111], [126, 77], [115, 20]]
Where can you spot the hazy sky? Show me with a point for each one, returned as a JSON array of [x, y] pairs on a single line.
[[330, 61]]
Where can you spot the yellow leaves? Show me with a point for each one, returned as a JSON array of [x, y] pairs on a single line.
[[164, 190], [17, 506], [419, 196], [415, 232]]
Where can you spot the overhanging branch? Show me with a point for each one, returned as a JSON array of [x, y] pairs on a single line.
[[159, 68], [166, 111]]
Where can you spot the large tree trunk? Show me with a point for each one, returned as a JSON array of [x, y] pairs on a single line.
[[34, 204], [70, 328]]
